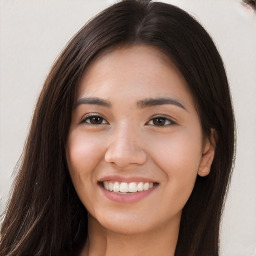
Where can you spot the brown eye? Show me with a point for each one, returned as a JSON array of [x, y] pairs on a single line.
[[160, 121], [94, 120]]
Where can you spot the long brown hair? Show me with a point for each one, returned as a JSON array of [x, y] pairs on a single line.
[[45, 215]]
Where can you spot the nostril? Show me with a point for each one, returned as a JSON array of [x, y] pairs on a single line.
[[124, 149], [123, 157]]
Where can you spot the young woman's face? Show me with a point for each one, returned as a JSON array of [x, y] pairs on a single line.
[[135, 142]]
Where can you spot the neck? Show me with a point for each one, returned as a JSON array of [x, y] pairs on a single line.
[[160, 241]]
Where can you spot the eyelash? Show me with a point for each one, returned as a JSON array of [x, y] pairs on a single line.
[[103, 121], [90, 117], [162, 118]]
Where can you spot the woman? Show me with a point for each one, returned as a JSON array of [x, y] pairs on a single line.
[[131, 145]]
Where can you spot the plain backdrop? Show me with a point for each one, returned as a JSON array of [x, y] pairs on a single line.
[[33, 33]]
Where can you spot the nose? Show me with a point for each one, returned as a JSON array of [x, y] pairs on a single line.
[[125, 149]]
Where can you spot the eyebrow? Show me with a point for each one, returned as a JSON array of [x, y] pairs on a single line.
[[93, 101], [150, 102], [159, 101]]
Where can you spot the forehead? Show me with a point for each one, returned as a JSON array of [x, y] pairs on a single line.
[[133, 71]]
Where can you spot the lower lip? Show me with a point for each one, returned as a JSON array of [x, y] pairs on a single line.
[[127, 198]]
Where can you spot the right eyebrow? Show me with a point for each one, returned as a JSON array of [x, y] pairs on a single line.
[[93, 101]]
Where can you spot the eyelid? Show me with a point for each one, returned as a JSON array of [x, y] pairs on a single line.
[[87, 116], [168, 118]]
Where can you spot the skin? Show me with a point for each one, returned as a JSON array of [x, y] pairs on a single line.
[[128, 140]]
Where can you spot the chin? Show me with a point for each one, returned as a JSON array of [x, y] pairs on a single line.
[[133, 223]]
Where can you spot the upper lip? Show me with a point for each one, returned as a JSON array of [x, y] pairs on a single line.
[[126, 179]]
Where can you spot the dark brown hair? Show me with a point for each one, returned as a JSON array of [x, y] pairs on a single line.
[[45, 215]]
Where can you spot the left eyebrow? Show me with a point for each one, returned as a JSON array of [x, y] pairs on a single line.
[[159, 101]]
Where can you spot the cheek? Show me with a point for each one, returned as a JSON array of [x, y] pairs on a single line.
[[181, 151], [178, 156], [83, 155]]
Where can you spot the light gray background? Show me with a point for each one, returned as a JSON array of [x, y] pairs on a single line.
[[34, 32]]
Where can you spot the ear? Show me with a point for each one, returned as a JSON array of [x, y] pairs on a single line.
[[208, 153]]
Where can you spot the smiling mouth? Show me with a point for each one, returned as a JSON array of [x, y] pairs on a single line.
[[127, 187]]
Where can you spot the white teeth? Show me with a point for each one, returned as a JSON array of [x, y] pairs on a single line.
[[140, 186], [146, 186], [110, 186], [116, 187], [105, 184], [125, 187], [132, 187]]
